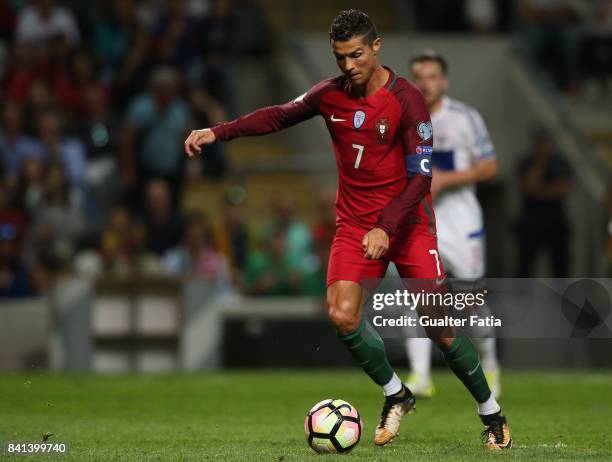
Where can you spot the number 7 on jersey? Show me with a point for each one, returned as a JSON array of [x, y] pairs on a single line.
[[359, 148], [434, 252]]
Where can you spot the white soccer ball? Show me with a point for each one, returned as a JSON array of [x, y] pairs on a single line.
[[333, 426]]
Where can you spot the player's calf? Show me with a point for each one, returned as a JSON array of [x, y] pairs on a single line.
[[362, 340]]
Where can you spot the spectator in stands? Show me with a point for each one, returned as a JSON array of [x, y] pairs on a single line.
[[135, 70], [99, 126], [15, 144], [231, 234], [198, 255], [164, 223], [113, 236], [38, 102], [57, 147], [324, 229], [546, 180], [155, 127], [596, 50], [22, 73], [272, 271], [134, 258], [74, 81], [99, 129], [176, 35], [218, 46], [56, 72], [323, 233], [31, 185], [58, 223], [113, 35], [11, 218], [44, 20], [15, 275], [253, 35], [297, 236], [218, 25], [62, 204], [552, 34], [87, 260]]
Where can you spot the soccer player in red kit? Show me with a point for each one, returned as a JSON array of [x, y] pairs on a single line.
[[382, 140]]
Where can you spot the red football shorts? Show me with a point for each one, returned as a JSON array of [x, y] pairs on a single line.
[[413, 251]]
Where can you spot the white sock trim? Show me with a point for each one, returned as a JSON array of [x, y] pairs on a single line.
[[394, 386], [490, 406]]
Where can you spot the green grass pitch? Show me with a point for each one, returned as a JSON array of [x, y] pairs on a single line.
[[258, 415]]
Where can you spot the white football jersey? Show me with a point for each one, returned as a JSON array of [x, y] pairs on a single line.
[[460, 140]]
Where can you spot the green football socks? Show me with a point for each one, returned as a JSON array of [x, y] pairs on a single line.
[[368, 349], [463, 359]]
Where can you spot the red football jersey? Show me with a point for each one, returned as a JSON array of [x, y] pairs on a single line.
[[382, 145]]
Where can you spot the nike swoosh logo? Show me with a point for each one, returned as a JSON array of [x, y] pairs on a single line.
[[440, 281], [474, 370], [335, 119]]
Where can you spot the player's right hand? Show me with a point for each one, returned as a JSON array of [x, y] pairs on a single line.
[[375, 244], [196, 139]]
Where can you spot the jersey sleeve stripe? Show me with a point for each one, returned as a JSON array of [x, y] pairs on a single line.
[[475, 234]]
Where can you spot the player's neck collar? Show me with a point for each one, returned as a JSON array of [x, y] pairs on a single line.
[[388, 85], [391, 79]]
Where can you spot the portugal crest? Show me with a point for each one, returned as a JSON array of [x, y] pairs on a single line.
[[382, 128]]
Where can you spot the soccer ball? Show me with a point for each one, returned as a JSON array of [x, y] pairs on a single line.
[[333, 425]]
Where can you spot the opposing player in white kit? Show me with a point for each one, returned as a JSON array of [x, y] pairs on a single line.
[[463, 155]]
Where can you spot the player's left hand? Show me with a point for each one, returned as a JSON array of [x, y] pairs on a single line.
[[375, 244]]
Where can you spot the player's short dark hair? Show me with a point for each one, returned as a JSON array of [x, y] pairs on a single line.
[[352, 23], [429, 56]]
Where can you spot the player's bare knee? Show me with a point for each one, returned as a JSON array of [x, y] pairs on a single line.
[[343, 315]]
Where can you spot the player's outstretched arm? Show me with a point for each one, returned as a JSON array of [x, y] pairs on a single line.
[[261, 121], [198, 138]]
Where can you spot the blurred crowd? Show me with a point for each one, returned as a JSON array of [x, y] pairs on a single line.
[[570, 39], [96, 100]]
